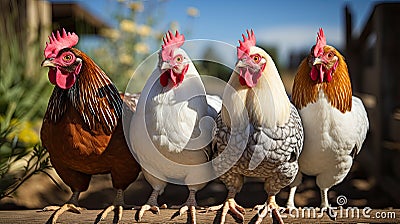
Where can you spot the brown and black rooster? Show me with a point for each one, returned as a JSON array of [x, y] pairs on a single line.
[[82, 128]]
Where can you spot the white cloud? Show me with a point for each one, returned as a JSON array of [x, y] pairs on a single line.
[[296, 38]]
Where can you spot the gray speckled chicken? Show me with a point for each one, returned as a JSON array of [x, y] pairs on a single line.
[[259, 132]]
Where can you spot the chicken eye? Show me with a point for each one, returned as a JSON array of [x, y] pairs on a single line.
[[67, 57], [256, 58], [179, 58], [330, 55]]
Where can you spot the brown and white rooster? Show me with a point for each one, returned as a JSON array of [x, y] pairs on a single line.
[[259, 132], [82, 127], [335, 122]]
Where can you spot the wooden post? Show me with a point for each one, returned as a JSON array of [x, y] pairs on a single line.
[[38, 20]]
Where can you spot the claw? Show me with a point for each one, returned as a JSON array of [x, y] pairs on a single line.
[[214, 208], [118, 210], [231, 205], [183, 210], [258, 208], [66, 207], [271, 206], [50, 208], [153, 208], [191, 213]]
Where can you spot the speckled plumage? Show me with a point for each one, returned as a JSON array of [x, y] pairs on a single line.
[[270, 153], [258, 132]]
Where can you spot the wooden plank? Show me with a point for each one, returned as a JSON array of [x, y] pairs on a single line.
[[88, 216]]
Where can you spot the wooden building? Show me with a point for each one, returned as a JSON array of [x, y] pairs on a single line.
[[373, 58], [34, 20]]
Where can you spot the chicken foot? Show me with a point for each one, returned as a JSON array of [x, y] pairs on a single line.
[[229, 205], [117, 207], [189, 206], [272, 206], [151, 205], [70, 206]]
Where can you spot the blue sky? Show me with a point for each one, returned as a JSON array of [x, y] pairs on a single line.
[[287, 24]]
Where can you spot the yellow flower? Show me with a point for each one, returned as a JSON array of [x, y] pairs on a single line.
[[136, 6], [141, 48], [144, 30], [192, 12], [125, 59], [110, 33], [127, 26], [28, 135], [25, 131]]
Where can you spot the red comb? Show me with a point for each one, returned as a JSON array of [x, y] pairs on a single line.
[[321, 42], [171, 43], [58, 42], [246, 43]]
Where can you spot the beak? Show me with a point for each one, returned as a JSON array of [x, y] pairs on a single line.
[[47, 63], [318, 61], [165, 66], [241, 64]]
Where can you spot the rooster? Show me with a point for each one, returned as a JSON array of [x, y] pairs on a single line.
[[170, 130], [82, 127], [335, 122], [258, 133]]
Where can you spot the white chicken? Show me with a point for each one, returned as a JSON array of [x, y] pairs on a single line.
[[335, 122], [171, 129]]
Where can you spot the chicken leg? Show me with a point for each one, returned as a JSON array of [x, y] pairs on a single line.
[[117, 207], [229, 205], [290, 202], [151, 205], [71, 206], [190, 205], [272, 206]]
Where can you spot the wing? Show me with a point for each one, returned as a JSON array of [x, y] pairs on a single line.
[[277, 145], [260, 152], [360, 121]]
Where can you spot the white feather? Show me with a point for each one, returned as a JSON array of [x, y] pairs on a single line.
[[330, 137], [168, 128]]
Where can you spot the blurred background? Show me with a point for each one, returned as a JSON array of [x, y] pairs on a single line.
[[120, 34]]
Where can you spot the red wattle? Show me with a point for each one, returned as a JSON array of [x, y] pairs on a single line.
[[321, 73], [65, 80], [52, 76], [249, 79], [164, 79], [176, 78], [314, 73]]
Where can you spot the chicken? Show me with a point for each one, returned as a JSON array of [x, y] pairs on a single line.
[[171, 129], [82, 128], [258, 133], [335, 122]]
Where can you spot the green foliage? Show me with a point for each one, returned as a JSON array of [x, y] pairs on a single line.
[[23, 100], [36, 161]]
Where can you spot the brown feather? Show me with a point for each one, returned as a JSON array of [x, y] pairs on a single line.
[[338, 90], [93, 95]]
